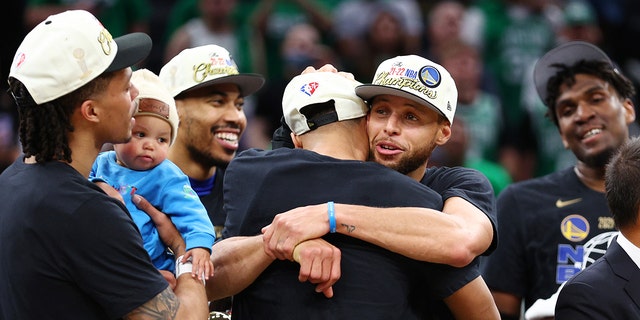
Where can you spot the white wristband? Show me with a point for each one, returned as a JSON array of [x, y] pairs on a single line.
[[182, 268], [187, 267]]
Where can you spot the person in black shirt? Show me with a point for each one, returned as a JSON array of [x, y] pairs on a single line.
[[299, 177]]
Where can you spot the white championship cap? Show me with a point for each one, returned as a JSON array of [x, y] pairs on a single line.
[[566, 54], [162, 106], [417, 79], [203, 66], [68, 50], [320, 87]]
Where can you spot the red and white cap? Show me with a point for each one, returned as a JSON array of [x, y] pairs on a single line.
[[320, 87]]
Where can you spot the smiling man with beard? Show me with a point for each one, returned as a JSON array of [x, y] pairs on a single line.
[[209, 93], [545, 222]]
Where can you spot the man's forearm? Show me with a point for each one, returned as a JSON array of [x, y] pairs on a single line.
[[420, 233], [192, 296], [237, 262]]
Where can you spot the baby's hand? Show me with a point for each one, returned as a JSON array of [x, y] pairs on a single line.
[[201, 261]]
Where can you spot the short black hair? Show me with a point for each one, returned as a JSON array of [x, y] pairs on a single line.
[[43, 128], [566, 76]]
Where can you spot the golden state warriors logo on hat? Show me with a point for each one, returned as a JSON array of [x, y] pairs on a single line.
[[415, 78], [430, 76], [575, 228]]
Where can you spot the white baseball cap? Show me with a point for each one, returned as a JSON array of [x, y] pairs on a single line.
[[162, 106], [566, 54], [320, 87], [202, 66], [417, 79], [68, 50]]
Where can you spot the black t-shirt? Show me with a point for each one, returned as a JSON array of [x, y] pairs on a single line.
[[469, 184], [375, 283], [68, 250], [214, 204], [543, 226]]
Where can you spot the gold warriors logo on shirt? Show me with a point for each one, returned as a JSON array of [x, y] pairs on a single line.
[[574, 228]]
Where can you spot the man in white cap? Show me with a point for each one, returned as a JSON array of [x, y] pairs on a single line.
[[409, 88], [413, 103], [327, 166], [210, 94], [68, 249]]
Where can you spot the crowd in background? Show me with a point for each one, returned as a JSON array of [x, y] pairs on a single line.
[[489, 46]]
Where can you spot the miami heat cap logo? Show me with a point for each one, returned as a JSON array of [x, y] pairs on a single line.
[[309, 88], [575, 228]]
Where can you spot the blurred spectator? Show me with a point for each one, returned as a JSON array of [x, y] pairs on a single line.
[[511, 35], [217, 24], [301, 47], [270, 23], [385, 37], [271, 20], [478, 111], [160, 10], [118, 16], [353, 22], [580, 23], [444, 23], [481, 110], [619, 22], [12, 15], [455, 153], [9, 143]]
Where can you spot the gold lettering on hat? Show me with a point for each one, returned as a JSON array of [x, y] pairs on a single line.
[[204, 70], [105, 41], [154, 106], [78, 53], [383, 79]]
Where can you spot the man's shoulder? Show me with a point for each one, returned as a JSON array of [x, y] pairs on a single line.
[[438, 173], [558, 179]]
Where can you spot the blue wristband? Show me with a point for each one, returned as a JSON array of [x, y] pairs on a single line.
[[332, 217]]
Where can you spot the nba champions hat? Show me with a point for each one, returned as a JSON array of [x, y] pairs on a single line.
[[415, 78], [202, 66], [155, 100], [567, 54], [68, 50], [318, 88]]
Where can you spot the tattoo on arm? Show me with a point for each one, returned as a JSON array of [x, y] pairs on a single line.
[[163, 306], [350, 227]]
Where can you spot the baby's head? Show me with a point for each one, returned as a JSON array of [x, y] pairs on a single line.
[[156, 124], [155, 100]]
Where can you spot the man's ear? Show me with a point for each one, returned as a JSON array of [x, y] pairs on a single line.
[[630, 115], [443, 134], [296, 141], [90, 111]]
